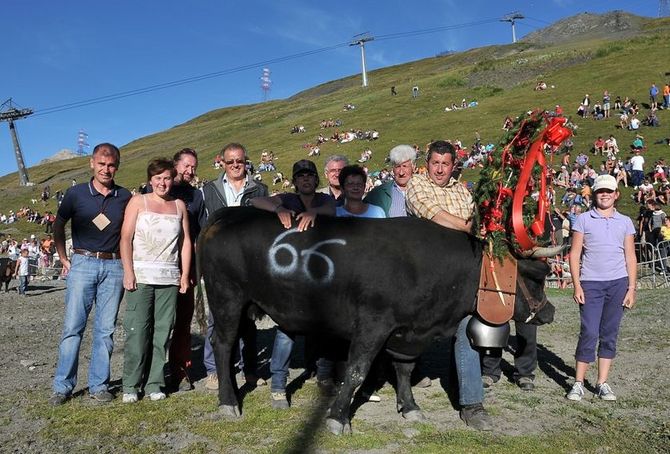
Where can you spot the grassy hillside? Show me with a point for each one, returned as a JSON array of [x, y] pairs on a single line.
[[500, 78]]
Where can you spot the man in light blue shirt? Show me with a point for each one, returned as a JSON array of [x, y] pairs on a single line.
[[390, 196]]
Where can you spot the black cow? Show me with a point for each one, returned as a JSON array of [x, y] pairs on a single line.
[[7, 268], [391, 284]]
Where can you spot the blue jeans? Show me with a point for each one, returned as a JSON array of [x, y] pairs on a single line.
[[90, 281], [470, 389], [23, 285], [281, 358], [246, 351]]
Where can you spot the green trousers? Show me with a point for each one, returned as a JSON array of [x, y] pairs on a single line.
[[150, 313]]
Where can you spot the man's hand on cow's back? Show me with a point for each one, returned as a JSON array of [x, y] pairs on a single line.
[[285, 216], [305, 220]]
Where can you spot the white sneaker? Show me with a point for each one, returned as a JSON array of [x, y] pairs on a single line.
[[157, 396], [129, 398], [577, 392], [605, 392]]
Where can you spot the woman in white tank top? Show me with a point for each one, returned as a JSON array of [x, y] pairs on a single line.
[[156, 255]]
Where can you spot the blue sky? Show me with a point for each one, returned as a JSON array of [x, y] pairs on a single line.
[[61, 52]]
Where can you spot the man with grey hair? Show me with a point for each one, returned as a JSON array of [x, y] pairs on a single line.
[[334, 164], [390, 196]]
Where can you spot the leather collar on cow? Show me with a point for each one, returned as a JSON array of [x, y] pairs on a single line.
[[534, 305]]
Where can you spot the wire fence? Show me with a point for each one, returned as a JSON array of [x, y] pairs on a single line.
[[42, 272], [652, 267]]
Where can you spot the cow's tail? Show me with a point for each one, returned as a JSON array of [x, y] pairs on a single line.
[[199, 310]]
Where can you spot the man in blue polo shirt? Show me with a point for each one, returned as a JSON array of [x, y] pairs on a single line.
[[94, 273]]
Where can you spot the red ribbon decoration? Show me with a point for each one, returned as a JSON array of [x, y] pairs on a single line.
[[554, 134]]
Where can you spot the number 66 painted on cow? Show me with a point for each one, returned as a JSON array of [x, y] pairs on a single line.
[[301, 261]]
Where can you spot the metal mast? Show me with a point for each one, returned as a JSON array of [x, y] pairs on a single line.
[[511, 18], [10, 112], [82, 142], [266, 83], [360, 40]]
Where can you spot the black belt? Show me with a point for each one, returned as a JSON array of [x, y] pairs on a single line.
[[97, 255]]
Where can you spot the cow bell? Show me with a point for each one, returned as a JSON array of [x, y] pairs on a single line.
[[485, 335]]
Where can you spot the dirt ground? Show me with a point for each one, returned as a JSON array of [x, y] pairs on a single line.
[[30, 328]]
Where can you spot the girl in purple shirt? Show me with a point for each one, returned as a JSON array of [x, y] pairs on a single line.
[[604, 273]]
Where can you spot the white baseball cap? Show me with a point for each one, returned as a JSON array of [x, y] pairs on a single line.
[[604, 182]]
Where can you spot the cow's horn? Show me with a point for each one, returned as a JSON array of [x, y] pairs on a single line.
[[540, 252]]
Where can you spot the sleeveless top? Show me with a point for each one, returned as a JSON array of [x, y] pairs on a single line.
[[156, 247]]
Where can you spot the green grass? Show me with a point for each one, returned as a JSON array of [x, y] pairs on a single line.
[[500, 78], [192, 419]]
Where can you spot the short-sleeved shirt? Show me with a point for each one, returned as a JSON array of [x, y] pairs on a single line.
[[637, 162], [425, 199], [83, 203], [603, 257], [292, 201], [373, 211]]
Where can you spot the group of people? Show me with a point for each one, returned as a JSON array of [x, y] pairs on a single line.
[[139, 244], [35, 256], [144, 245], [463, 105]]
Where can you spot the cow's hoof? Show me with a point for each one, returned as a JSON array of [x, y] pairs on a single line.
[[337, 428], [230, 411], [414, 416]]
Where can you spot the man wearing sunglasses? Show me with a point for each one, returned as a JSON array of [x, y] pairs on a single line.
[[234, 187]]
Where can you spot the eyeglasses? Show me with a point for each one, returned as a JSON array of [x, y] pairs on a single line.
[[354, 184], [234, 161]]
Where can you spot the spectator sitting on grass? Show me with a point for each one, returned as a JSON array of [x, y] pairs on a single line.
[[611, 146], [599, 146], [645, 192], [624, 120], [562, 178], [581, 159], [652, 119], [638, 143], [659, 172], [619, 172]]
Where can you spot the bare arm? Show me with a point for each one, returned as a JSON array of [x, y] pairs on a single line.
[[575, 258], [59, 240], [126, 243], [446, 219], [274, 204], [266, 203], [186, 249], [631, 269]]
